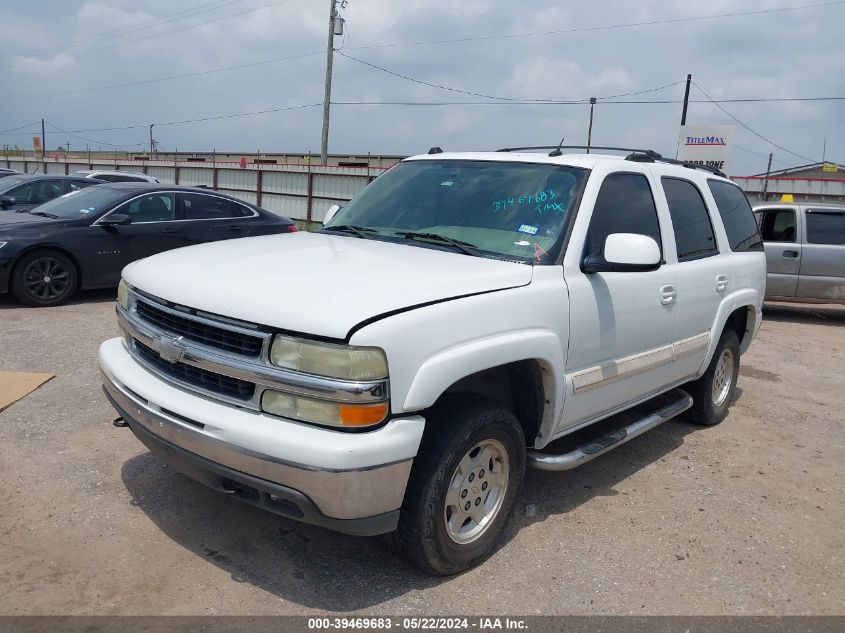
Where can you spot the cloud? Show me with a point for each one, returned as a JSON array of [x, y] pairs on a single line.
[[41, 66], [792, 53]]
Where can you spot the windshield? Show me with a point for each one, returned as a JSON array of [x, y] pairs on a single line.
[[502, 209], [79, 204]]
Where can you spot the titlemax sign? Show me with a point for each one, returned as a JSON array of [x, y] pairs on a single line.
[[706, 140], [706, 145]]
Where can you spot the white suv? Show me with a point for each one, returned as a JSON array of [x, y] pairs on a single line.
[[115, 176], [400, 368]]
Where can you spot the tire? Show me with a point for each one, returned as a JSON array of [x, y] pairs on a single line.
[[44, 278], [462, 428], [713, 393]]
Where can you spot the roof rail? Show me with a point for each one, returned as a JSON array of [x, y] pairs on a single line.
[[635, 155], [587, 147]]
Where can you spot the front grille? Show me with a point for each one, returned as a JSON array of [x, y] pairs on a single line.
[[202, 378], [210, 335]]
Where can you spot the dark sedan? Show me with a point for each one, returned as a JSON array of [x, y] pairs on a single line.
[[21, 192], [7, 172], [85, 238]]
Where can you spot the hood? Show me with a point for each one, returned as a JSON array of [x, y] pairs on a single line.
[[9, 219], [316, 283]]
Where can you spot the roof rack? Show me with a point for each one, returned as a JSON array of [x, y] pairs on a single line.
[[635, 155]]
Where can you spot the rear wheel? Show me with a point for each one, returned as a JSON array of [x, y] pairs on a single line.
[[44, 278], [714, 391], [463, 485]]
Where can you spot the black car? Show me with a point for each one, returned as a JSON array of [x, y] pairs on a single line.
[[85, 238], [22, 191]]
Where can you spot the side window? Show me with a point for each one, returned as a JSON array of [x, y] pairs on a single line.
[[200, 207], [38, 192], [825, 227], [153, 207], [777, 225], [690, 220], [106, 177], [23, 194], [625, 204], [736, 216]]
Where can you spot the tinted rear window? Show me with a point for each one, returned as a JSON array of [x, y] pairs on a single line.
[[690, 220], [740, 225], [825, 227]]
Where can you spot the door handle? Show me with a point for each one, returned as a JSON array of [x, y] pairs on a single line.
[[236, 229], [668, 293], [792, 254], [169, 229], [721, 283]]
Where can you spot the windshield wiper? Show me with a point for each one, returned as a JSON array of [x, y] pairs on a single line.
[[43, 214], [465, 247], [360, 231]]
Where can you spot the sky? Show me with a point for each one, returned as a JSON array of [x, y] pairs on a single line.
[[69, 61]]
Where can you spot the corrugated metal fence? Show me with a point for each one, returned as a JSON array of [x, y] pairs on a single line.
[[300, 192]]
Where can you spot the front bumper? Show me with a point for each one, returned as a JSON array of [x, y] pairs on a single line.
[[351, 483]]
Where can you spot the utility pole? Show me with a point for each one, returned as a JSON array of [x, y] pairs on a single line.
[[590, 129], [43, 148], [766, 181], [327, 96], [686, 101], [152, 142]]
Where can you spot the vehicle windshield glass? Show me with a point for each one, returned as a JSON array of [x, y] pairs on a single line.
[[503, 209], [82, 203]]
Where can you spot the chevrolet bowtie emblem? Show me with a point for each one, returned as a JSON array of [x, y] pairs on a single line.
[[169, 348]]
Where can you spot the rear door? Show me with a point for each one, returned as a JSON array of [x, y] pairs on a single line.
[[822, 274], [208, 218], [779, 228], [703, 274]]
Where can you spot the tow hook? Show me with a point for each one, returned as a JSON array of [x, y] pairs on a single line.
[[120, 423]]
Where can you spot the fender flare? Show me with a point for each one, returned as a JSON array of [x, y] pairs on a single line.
[[448, 366], [745, 298]]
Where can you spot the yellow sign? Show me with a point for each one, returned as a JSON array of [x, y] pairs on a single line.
[[830, 167], [787, 197]]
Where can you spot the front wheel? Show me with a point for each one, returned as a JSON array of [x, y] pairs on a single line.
[[713, 393], [44, 278], [462, 488]]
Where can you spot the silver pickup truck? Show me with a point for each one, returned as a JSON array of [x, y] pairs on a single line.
[[805, 251]]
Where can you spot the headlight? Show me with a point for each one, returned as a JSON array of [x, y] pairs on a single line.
[[123, 294], [346, 362], [322, 411]]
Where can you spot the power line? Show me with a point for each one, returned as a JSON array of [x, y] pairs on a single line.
[[199, 120], [174, 17], [486, 96], [602, 27], [184, 28], [168, 78], [753, 131], [458, 40], [88, 140], [15, 129]]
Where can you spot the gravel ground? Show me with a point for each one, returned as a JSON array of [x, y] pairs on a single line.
[[743, 518]]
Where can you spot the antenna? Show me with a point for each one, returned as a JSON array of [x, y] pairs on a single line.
[[557, 152]]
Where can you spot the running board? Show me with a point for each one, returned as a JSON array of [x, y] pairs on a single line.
[[680, 402]]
